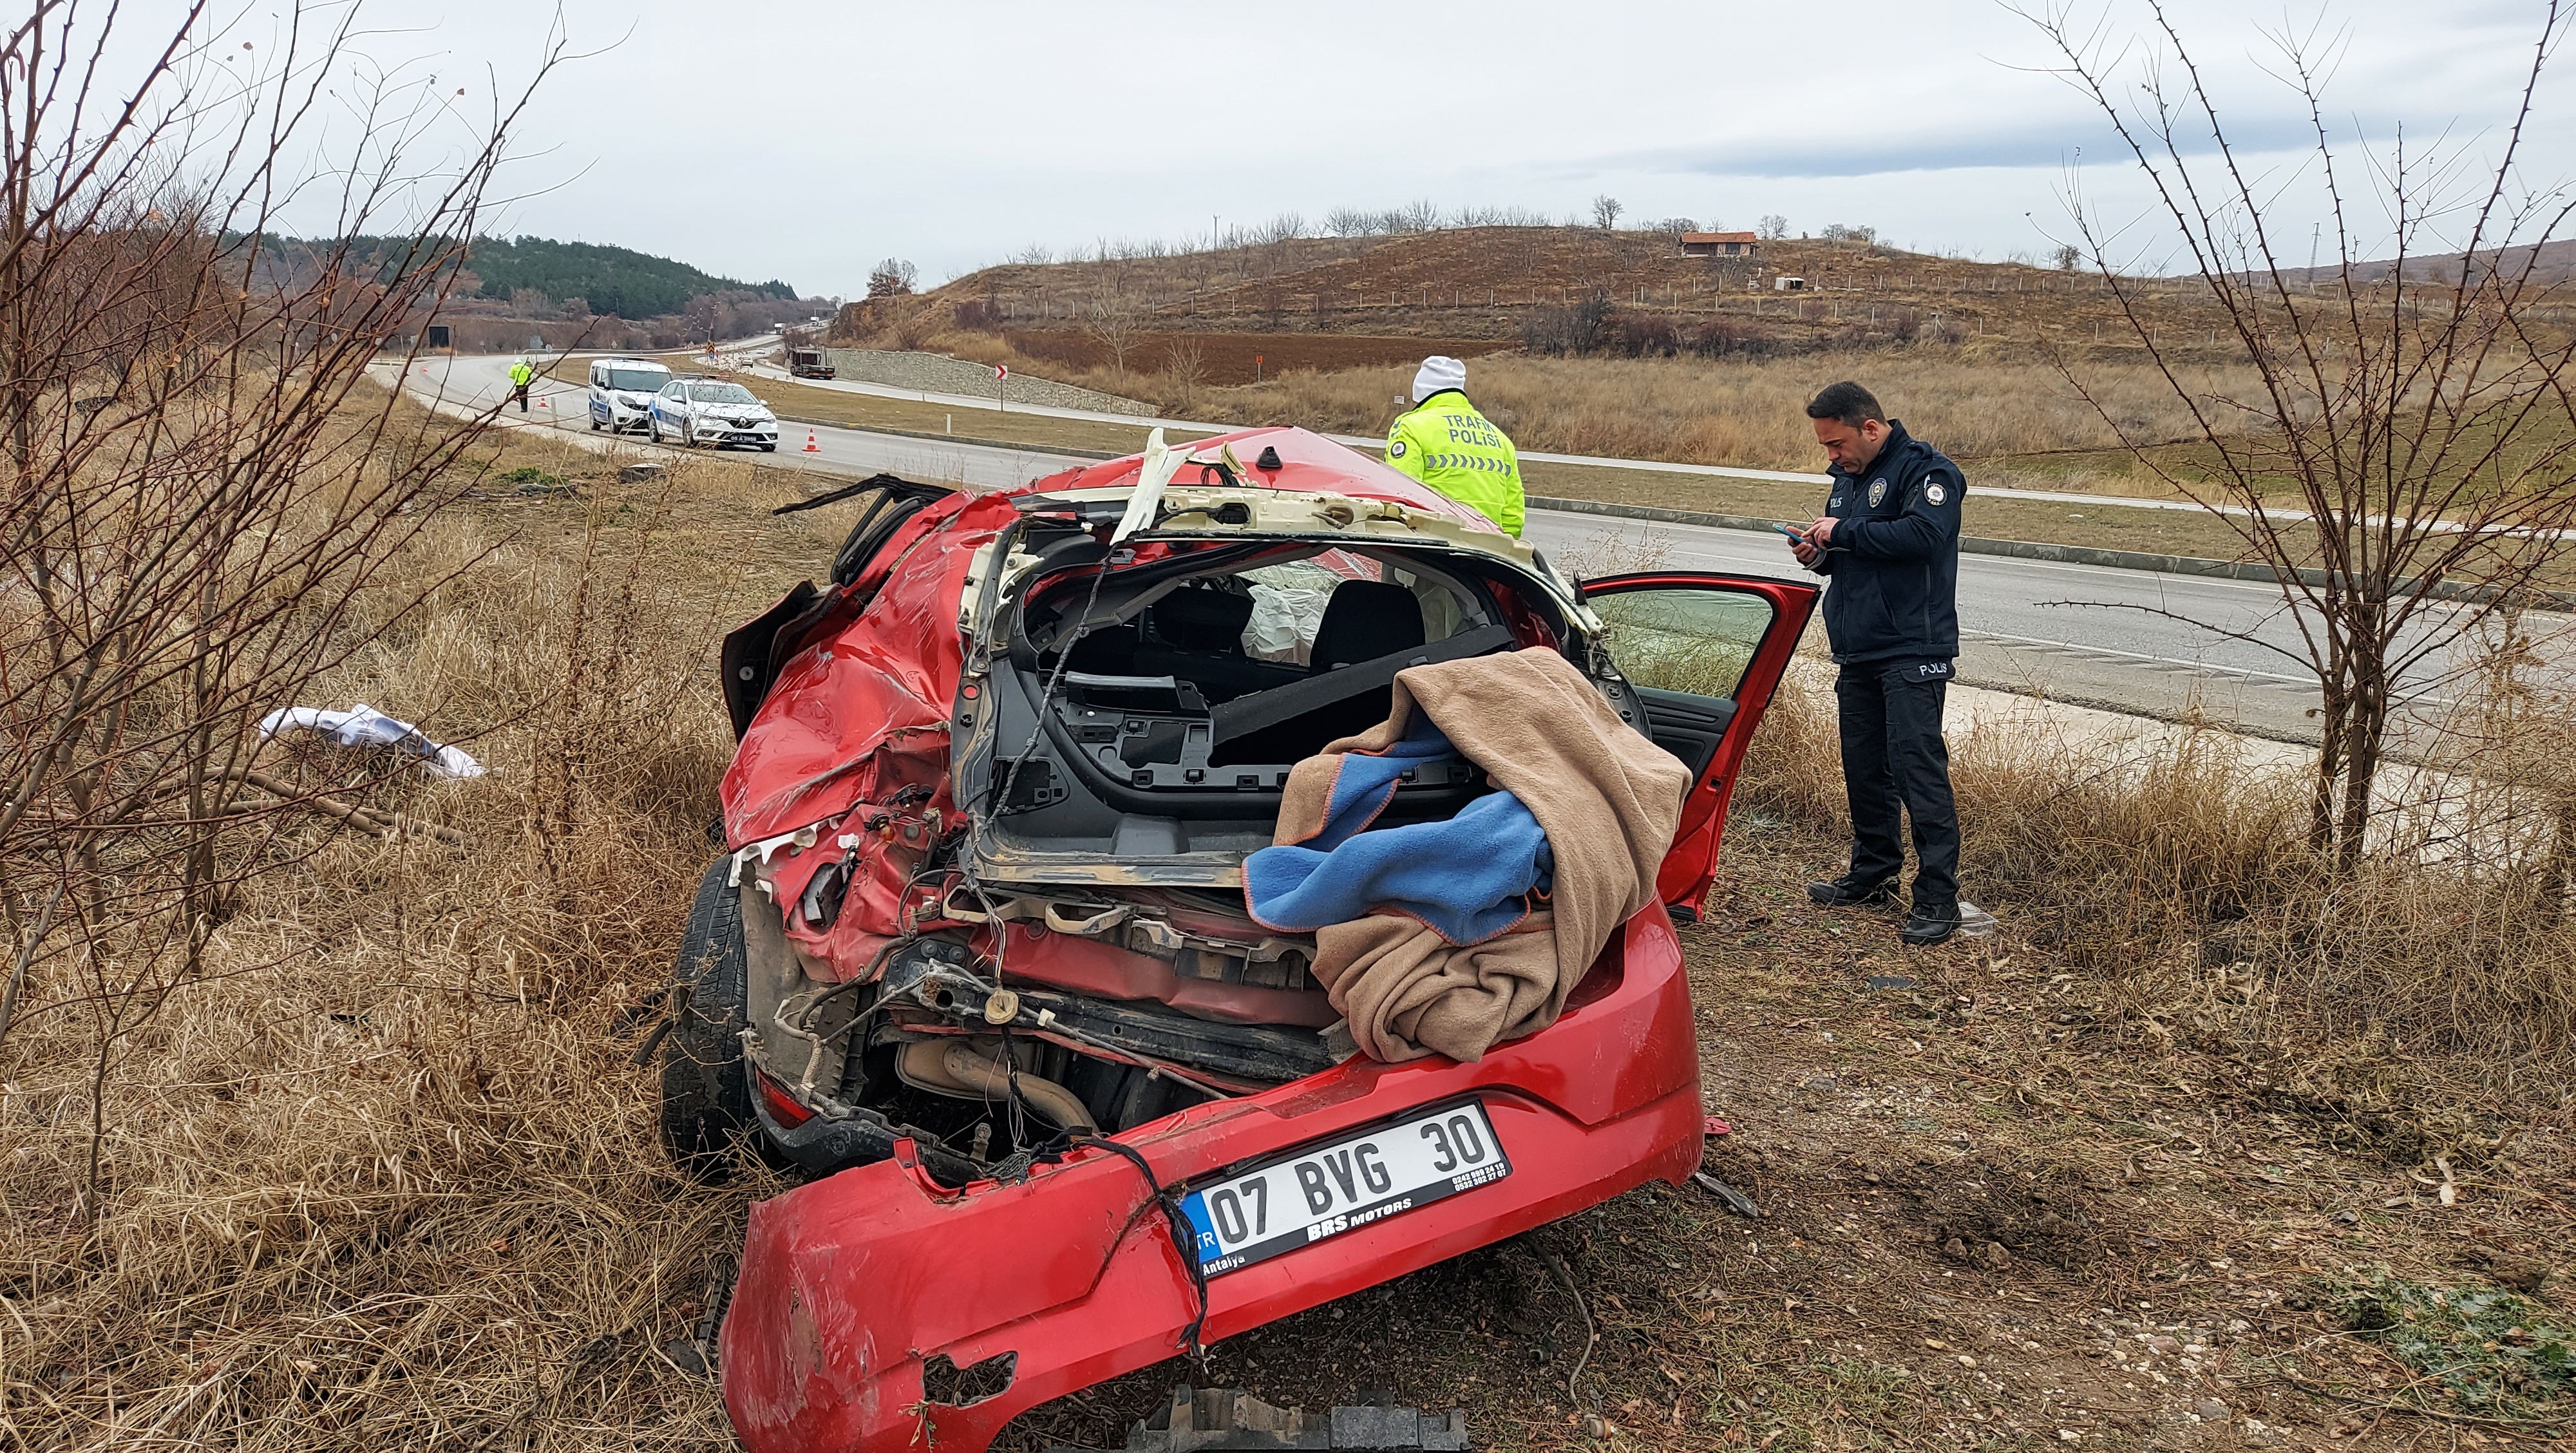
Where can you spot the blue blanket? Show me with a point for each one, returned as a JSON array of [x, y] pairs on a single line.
[[1470, 878]]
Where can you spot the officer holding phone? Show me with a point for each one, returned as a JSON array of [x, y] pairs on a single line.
[[1889, 543]]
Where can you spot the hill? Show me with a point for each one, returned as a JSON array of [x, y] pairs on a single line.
[[512, 292], [2556, 263], [611, 280], [1545, 290]]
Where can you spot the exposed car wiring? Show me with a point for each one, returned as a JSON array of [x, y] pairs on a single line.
[[1184, 1238], [1048, 1023], [1019, 1120]]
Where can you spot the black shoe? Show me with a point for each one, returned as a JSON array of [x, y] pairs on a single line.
[[1925, 927], [1844, 892]]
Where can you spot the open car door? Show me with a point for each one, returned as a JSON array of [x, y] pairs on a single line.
[[1704, 652]]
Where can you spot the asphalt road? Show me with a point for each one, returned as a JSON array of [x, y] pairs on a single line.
[[2163, 645], [482, 382]]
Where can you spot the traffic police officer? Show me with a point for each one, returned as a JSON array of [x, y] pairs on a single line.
[[1890, 543], [521, 375], [1449, 446]]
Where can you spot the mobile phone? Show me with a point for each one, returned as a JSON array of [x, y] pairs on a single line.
[[1798, 535]]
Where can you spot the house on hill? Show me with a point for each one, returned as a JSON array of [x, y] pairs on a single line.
[[1720, 244]]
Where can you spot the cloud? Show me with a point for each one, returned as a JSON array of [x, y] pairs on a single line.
[[2050, 142]]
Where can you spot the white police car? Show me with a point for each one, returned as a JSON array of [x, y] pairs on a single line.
[[696, 410], [622, 390]]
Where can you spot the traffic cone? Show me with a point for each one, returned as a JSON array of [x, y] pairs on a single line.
[[810, 446], [544, 402]]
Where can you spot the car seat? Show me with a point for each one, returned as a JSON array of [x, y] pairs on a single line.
[[1364, 620]]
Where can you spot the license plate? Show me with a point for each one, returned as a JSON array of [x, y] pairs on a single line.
[[1320, 1192]]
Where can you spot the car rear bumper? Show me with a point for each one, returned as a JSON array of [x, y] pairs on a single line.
[[850, 1284]]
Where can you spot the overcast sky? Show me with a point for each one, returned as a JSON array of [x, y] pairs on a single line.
[[805, 139]]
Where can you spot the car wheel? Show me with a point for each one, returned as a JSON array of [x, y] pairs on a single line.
[[595, 426], [706, 1087], [653, 429]]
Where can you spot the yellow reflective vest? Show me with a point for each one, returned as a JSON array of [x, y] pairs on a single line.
[[521, 375], [1447, 445]]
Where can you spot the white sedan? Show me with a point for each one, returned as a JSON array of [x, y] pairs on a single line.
[[695, 411]]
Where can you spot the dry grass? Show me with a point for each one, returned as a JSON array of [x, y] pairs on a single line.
[[383, 1177], [1976, 403], [1748, 413], [2181, 870]]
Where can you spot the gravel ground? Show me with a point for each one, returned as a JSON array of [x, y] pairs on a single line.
[[939, 373]]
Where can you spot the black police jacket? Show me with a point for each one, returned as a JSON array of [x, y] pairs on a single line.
[[1894, 556]]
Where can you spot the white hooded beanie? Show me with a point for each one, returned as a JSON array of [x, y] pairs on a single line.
[[1438, 372]]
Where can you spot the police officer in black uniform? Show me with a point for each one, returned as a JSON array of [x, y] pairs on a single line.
[[1890, 542]]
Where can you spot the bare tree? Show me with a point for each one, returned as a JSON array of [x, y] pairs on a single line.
[[891, 278], [1773, 227], [199, 479], [1186, 365], [1112, 327], [2407, 458], [1605, 211]]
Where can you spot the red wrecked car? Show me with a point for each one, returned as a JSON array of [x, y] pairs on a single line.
[[979, 956]]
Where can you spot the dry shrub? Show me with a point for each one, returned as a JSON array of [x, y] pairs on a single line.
[[1793, 770], [2122, 851], [1617, 550], [2175, 870], [384, 1176]]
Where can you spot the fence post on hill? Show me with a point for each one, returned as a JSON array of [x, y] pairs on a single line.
[[2399, 475]]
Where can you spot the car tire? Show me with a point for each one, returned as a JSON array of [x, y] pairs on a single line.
[[653, 428], [596, 426], [706, 1087]]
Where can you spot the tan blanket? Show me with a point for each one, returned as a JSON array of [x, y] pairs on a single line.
[[1609, 801]]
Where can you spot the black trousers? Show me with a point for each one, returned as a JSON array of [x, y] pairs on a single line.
[[1894, 758]]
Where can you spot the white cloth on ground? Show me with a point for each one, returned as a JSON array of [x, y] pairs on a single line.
[[364, 726]]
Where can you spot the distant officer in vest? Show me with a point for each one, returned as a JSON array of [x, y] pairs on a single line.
[[521, 375], [1889, 543], [1447, 445]]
